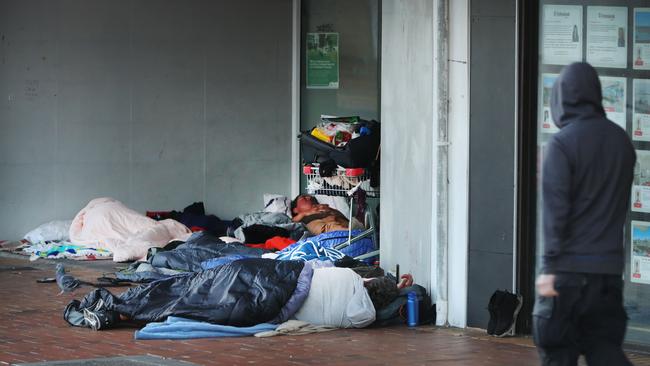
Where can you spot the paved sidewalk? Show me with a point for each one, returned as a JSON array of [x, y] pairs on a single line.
[[32, 330]]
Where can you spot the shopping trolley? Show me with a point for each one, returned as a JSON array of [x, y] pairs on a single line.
[[347, 182]]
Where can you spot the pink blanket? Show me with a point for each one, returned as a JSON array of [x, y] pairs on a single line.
[[108, 224]]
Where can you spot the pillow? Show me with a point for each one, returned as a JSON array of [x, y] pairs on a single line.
[[277, 203], [50, 231]]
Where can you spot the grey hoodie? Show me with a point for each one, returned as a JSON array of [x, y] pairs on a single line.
[[587, 176]]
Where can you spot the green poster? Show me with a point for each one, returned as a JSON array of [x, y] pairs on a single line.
[[322, 60]]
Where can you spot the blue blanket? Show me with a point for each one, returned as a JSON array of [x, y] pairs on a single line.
[[308, 250], [181, 328], [331, 240]]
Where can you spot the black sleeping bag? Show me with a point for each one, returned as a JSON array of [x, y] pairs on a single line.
[[200, 247], [242, 293]]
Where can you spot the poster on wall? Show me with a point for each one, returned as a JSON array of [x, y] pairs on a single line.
[[614, 90], [641, 37], [641, 110], [546, 124], [561, 34], [640, 258], [641, 186], [322, 61], [607, 36]]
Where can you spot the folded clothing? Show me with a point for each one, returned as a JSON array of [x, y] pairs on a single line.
[[181, 328], [295, 327]]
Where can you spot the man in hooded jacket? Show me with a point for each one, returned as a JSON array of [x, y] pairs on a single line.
[[587, 177]]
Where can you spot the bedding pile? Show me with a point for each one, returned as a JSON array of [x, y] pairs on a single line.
[[106, 223], [261, 273]]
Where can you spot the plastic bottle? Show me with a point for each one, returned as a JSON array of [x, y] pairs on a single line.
[[412, 309]]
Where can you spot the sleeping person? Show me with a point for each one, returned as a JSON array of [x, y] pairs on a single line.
[[319, 218], [282, 290], [329, 226]]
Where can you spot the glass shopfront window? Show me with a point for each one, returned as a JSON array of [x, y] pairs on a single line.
[[614, 37], [339, 59]]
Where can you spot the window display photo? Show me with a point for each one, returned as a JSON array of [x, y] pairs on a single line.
[[561, 34], [641, 110], [640, 258], [546, 124], [641, 37], [607, 36], [614, 99], [641, 186]]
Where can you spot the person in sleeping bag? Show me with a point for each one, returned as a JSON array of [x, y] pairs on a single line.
[[243, 293]]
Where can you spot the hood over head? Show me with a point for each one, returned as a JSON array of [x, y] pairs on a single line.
[[576, 95]]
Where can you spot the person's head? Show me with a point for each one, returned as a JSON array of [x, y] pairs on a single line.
[[382, 291], [302, 203], [576, 94]]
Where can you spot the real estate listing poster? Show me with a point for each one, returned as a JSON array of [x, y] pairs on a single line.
[[641, 38], [546, 124], [607, 36], [640, 258], [614, 99], [561, 34], [641, 110], [641, 186]]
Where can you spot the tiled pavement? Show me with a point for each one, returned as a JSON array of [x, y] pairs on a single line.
[[32, 330]]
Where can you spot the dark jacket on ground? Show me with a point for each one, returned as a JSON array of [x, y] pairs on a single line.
[[587, 176]]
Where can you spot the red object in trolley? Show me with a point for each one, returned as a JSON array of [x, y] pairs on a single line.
[[354, 172], [349, 172]]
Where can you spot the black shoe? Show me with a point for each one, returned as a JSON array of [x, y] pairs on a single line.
[[506, 313], [97, 317]]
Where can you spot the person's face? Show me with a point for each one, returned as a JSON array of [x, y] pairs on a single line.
[[304, 203]]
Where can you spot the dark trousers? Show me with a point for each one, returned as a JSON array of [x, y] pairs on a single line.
[[586, 318]]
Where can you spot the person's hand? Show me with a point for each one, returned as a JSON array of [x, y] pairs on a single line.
[[321, 208], [318, 209], [545, 285], [406, 280]]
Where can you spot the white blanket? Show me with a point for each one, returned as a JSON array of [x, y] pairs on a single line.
[[108, 224], [337, 298]]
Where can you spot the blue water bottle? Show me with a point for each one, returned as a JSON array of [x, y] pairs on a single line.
[[412, 309]]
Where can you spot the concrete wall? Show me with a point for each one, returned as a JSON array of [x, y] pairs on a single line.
[[157, 103], [408, 127]]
